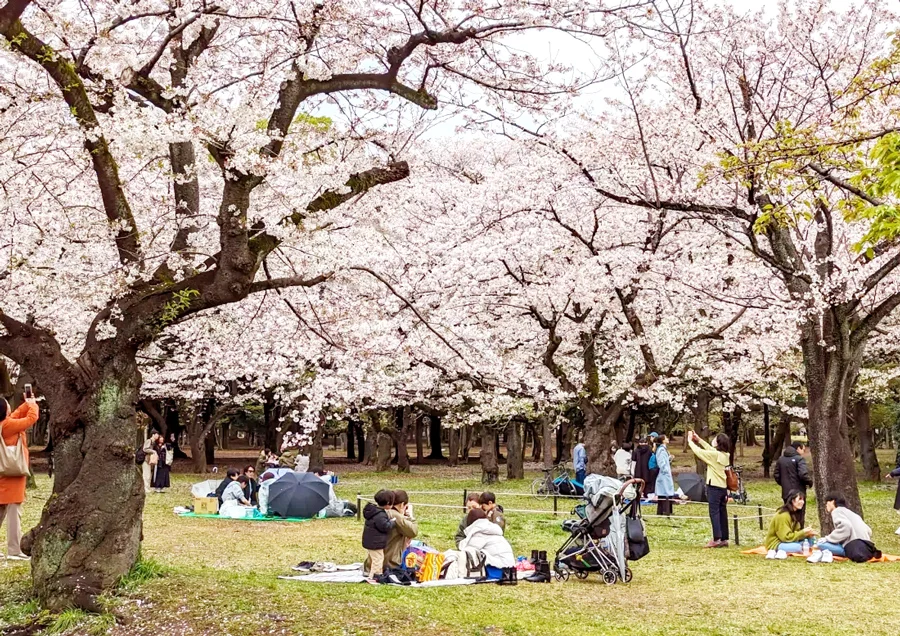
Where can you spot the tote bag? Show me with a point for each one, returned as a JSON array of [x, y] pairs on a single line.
[[13, 462]]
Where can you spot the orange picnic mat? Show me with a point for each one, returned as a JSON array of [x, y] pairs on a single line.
[[885, 558]]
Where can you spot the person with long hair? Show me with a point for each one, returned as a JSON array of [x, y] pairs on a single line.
[[665, 485], [13, 424], [715, 456], [786, 532]]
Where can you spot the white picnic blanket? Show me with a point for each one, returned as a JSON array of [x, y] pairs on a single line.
[[356, 577]]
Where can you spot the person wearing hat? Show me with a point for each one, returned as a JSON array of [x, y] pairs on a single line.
[[640, 460]]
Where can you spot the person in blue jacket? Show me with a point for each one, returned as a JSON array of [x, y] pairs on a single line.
[[665, 486]]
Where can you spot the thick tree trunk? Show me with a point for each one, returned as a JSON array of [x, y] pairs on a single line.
[[198, 454], [420, 452], [209, 447], [749, 434], [547, 441], [383, 453], [226, 434], [454, 446], [369, 454], [700, 413], [90, 529], [490, 469], [562, 454], [871, 469], [314, 449], [466, 444], [351, 440], [537, 441], [405, 417], [515, 451], [632, 420], [434, 435], [599, 434], [767, 442], [360, 442]]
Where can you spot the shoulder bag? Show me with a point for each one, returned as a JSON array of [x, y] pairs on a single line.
[[13, 462]]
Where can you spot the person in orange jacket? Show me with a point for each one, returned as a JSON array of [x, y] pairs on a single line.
[[12, 489]]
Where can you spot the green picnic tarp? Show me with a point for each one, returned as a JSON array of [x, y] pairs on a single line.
[[196, 516]]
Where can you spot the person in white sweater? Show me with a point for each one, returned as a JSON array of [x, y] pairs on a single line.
[[486, 537], [624, 464], [848, 526]]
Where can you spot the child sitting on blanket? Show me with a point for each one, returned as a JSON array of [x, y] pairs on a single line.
[[375, 533]]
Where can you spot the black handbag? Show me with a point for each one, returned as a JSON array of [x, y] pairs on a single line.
[[637, 546]]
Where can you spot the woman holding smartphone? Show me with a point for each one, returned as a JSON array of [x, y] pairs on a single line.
[[12, 489]]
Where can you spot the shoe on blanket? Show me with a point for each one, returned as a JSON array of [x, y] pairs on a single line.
[[303, 566], [816, 557], [897, 531], [781, 555], [827, 556], [770, 554]]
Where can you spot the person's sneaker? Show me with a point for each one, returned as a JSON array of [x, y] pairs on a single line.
[[303, 566], [897, 531], [712, 544], [781, 555], [770, 554], [827, 556], [329, 567], [18, 557], [722, 544], [815, 557]]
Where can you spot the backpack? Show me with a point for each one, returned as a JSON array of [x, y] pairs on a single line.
[[731, 479], [653, 463], [139, 456]]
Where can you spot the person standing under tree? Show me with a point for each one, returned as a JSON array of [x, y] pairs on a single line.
[[665, 486], [161, 478], [792, 474], [12, 489], [715, 457], [579, 462], [896, 473], [149, 449]]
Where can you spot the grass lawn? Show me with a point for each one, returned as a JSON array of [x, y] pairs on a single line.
[[219, 577]]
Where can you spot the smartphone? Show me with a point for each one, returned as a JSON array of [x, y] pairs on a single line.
[[28, 392]]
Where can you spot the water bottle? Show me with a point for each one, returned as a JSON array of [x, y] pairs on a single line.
[[806, 547]]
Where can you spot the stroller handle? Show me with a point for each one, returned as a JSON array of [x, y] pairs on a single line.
[[638, 483]]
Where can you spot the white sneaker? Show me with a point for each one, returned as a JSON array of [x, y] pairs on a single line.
[[827, 556], [18, 557], [897, 531], [816, 556], [781, 555], [770, 554]]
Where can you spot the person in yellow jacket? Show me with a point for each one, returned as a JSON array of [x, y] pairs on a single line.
[[786, 534], [716, 458]]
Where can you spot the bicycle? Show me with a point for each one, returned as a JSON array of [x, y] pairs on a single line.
[[740, 496], [549, 485]]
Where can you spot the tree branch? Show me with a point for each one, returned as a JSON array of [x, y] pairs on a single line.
[[712, 335], [289, 281], [826, 174]]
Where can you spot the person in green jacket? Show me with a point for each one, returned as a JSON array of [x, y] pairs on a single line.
[[715, 456], [471, 504], [785, 534]]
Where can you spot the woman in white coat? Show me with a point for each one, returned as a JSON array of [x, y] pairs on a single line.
[[486, 537]]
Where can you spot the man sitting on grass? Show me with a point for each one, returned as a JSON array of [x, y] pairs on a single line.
[[848, 526], [494, 512]]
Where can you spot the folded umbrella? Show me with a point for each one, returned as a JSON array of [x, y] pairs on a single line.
[[298, 495]]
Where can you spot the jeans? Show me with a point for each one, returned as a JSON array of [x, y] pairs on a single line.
[[835, 548], [580, 475], [791, 548], [718, 511]]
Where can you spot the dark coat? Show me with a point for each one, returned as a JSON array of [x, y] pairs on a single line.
[[792, 473], [378, 524], [896, 473], [251, 491], [220, 489], [640, 457]]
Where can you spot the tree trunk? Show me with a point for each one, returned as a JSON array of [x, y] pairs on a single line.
[[871, 469], [210, 449], [632, 417], [198, 453], [767, 442], [469, 435], [599, 434], [454, 446], [515, 451], [561, 431], [434, 434], [383, 453], [90, 529], [490, 469], [537, 441], [405, 417], [420, 452], [547, 441], [351, 440], [314, 449], [226, 433], [360, 442], [272, 412], [700, 412]]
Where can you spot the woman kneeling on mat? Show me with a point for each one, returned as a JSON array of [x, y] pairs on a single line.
[[785, 534]]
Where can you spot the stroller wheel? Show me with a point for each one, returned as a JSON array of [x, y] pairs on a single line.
[[581, 574], [609, 577], [562, 575], [628, 575]]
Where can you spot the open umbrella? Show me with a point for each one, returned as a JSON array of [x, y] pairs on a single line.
[[298, 495], [692, 486]]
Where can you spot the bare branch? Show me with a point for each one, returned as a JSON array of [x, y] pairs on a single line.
[[716, 334], [289, 281]]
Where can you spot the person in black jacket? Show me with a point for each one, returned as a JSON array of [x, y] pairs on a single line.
[[251, 489], [231, 475], [375, 532], [792, 474]]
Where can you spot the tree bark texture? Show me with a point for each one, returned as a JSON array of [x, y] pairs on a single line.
[[547, 440], [454, 446], [599, 435], [405, 419], [420, 451], [90, 529], [700, 415], [351, 440], [383, 452], [490, 469], [861, 418], [315, 450], [515, 451], [434, 435], [767, 442]]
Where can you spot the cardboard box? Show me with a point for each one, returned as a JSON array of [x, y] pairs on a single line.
[[206, 505]]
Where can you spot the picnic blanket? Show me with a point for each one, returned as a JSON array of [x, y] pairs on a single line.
[[357, 577], [196, 516], [885, 558]]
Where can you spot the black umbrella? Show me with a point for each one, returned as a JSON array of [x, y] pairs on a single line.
[[692, 485], [298, 495]]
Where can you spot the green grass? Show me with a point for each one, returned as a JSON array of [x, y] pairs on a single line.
[[201, 576]]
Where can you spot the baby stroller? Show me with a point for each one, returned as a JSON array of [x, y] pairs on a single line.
[[600, 541]]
